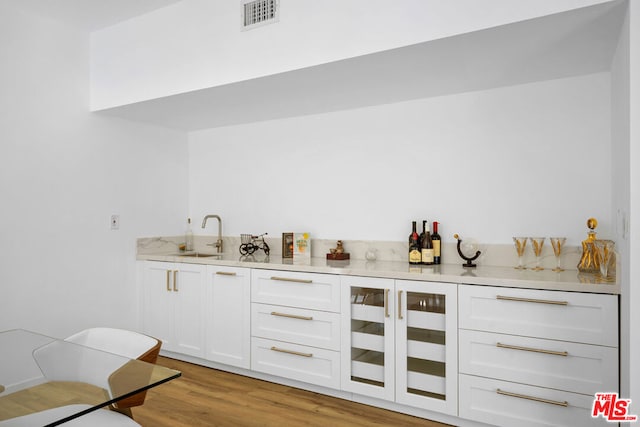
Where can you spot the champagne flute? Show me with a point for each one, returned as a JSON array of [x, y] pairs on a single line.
[[537, 243], [521, 243], [556, 244]]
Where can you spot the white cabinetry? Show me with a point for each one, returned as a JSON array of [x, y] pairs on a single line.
[[400, 341], [172, 305], [227, 316], [532, 357], [295, 326], [497, 355]]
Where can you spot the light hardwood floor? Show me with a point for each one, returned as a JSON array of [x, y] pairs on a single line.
[[208, 397]]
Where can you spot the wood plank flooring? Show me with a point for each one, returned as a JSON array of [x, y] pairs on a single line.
[[49, 395], [208, 397]]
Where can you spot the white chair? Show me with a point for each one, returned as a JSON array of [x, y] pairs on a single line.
[[98, 418], [126, 343], [64, 362], [119, 341]]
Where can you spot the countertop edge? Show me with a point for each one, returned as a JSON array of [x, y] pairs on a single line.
[[570, 280]]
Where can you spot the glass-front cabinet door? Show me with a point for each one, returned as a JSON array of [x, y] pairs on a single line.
[[367, 364], [426, 345]]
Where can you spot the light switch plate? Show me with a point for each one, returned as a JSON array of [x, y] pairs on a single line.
[[115, 222]]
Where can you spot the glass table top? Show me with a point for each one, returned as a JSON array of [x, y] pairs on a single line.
[[39, 373]]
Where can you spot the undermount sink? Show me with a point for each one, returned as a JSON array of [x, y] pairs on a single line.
[[199, 255]]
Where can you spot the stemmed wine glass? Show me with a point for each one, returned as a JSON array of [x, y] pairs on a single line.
[[521, 243], [556, 244], [537, 243]]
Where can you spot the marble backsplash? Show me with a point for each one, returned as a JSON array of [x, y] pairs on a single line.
[[492, 255]]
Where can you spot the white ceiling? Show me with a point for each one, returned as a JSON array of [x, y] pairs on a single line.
[[89, 15], [562, 45], [557, 46]]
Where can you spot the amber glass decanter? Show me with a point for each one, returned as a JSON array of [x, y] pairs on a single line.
[[589, 262]]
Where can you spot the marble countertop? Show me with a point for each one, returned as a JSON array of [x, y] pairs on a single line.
[[569, 280]]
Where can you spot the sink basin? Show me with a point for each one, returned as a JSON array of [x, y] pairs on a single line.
[[199, 255]]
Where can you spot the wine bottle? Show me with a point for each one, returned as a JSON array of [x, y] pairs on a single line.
[[421, 237], [435, 239], [414, 246], [427, 252]]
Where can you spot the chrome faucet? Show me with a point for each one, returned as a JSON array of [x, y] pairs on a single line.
[[218, 243]]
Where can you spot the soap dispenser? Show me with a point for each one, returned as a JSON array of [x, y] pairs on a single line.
[[188, 237]]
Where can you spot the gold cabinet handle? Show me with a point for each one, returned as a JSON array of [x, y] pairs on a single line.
[[386, 303], [168, 280], [289, 279], [535, 350], [226, 273], [175, 280], [295, 353], [291, 316], [535, 399], [539, 301], [400, 305]]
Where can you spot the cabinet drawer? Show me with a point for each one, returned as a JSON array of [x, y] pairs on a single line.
[[300, 326], [297, 362], [493, 402], [303, 290], [568, 316], [580, 368]]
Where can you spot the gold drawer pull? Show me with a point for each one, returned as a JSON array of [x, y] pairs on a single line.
[[226, 273], [168, 280], [295, 353], [535, 399], [535, 350], [539, 301], [400, 305], [291, 316], [175, 280], [386, 303], [288, 279]]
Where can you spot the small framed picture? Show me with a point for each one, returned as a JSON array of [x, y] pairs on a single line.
[[287, 245], [301, 247]]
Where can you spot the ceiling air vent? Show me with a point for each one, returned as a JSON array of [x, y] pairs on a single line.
[[256, 13]]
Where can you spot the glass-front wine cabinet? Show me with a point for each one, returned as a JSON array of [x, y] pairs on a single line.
[[402, 341], [427, 345], [368, 365]]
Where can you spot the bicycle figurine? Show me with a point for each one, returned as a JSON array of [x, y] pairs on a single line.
[[250, 243]]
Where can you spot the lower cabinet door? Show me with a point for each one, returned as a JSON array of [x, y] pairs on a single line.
[[508, 404], [173, 305], [297, 362], [188, 288], [368, 337], [228, 324], [426, 345]]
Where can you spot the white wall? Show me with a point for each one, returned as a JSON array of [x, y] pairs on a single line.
[[64, 172], [532, 159], [621, 182], [198, 44], [633, 294]]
